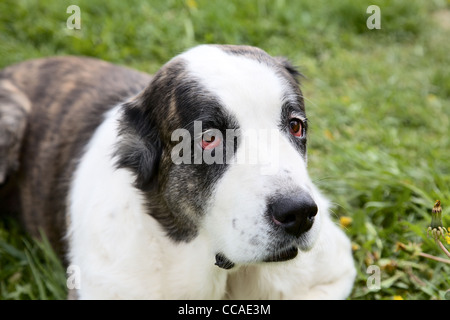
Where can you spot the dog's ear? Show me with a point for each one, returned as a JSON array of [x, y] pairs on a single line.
[[139, 148], [290, 68]]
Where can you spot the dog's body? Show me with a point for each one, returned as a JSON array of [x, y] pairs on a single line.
[[88, 156]]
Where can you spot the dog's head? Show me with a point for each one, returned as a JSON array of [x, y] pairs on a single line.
[[217, 143]]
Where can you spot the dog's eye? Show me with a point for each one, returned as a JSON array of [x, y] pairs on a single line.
[[296, 127], [209, 141]]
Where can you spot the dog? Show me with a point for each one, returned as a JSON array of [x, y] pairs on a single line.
[[89, 155]]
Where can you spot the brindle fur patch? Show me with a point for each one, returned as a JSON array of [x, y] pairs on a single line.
[[68, 97]]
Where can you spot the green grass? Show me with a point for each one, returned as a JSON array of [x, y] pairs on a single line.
[[29, 269], [378, 101]]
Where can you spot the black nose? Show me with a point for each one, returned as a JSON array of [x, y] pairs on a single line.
[[294, 213]]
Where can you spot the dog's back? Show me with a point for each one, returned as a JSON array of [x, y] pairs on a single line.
[[49, 108]]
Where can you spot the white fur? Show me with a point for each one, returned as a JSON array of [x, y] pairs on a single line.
[[123, 252]]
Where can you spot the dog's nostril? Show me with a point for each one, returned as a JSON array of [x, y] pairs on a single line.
[[284, 219], [311, 211], [295, 215]]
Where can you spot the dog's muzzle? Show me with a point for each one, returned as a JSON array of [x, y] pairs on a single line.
[[292, 216]]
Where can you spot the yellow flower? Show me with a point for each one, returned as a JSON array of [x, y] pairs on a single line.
[[328, 134], [192, 4], [397, 298], [447, 238], [345, 221], [345, 99], [431, 97]]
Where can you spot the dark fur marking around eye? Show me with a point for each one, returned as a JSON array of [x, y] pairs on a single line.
[[175, 193]]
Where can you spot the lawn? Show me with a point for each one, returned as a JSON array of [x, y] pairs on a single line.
[[378, 101]]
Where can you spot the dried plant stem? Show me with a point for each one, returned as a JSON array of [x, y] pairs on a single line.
[[439, 243], [429, 256]]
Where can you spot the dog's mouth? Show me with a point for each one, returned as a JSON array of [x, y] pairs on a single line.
[[282, 255]]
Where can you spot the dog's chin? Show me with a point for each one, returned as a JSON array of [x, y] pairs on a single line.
[[281, 255]]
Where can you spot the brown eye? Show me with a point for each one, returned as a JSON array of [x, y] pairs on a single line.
[[296, 127]]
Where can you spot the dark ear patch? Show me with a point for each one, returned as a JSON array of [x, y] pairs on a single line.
[[139, 148], [290, 68]]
